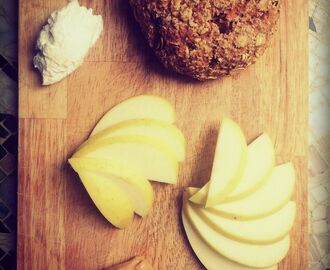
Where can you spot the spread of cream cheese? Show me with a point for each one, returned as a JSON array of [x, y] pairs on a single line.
[[65, 40]]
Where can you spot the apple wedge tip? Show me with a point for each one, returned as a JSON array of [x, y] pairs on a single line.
[[131, 181]]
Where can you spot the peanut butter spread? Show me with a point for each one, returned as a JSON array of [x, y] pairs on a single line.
[[137, 263]]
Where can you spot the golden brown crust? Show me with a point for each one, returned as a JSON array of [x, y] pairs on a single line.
[[206, 39]]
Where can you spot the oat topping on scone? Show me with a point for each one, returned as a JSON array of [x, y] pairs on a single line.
[[206, 39]]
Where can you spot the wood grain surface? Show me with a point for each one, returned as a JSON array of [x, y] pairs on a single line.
[[58, 225]]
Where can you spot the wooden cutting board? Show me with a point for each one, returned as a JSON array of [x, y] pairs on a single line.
[[58, 225]]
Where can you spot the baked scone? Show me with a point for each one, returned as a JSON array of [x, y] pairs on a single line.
[[206, 39]]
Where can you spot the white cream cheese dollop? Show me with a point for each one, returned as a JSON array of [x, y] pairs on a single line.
[[65, 40]]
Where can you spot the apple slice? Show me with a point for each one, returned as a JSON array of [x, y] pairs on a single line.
[[228, 165], [138, 107], [268, 199], [264, 230], [208, 257], [112, 201], [149, 155], [259, 164], [252, 255], [167, 133], [136, 186]]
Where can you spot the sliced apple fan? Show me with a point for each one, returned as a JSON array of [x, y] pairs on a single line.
[[134, 142], [242, 217]]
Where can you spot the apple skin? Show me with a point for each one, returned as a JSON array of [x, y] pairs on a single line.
[[169, 134], [148, 155], [135, 185], [133, 142], [137, 107], [112, 202]]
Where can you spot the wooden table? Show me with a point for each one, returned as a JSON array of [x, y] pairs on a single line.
[[58, 225]]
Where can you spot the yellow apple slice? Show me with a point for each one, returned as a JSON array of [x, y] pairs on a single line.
[[167, 133], [228, 165], [252, 255], [148, 155], [138, 107], [208, 257], [112, 201], [264, 230], [259, 164], [136, 186], [272, 196]]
